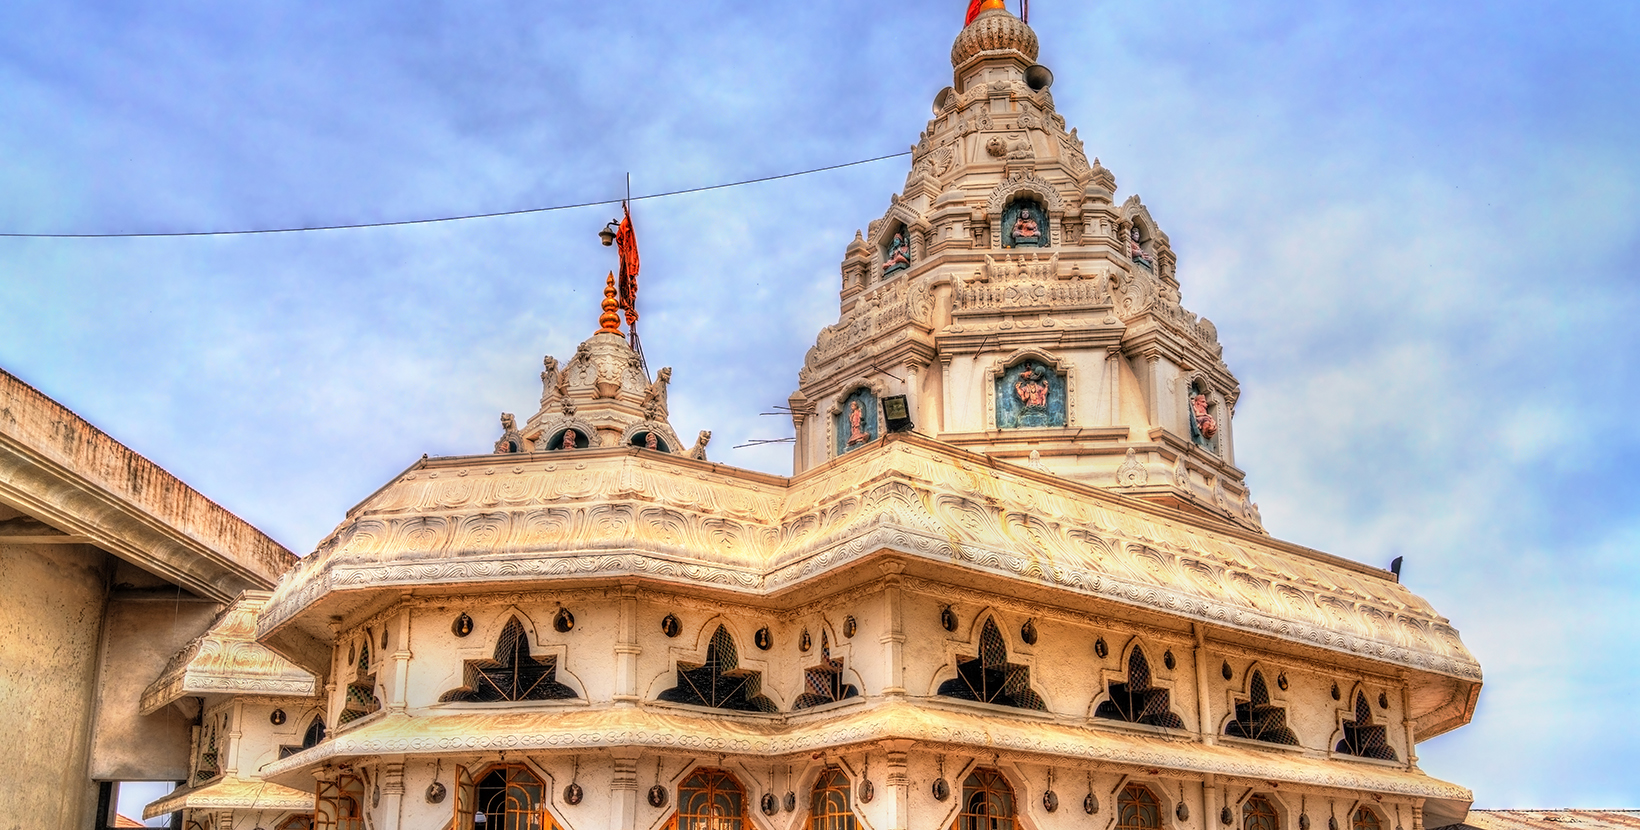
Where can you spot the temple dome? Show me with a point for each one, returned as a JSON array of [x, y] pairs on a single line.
[[995, 30]]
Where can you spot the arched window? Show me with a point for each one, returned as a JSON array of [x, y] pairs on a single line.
[[1362, 738], [720, 682], [1259, 814], [710, 799], [1364, 819], [1137, 701], [512, 674], [338, 805], [824, 683], [209, 763], [988, 677], [311, 738], [502, 797], [1258, 720], [361, 692], [828, 808], [987, 802], [1138, 809]]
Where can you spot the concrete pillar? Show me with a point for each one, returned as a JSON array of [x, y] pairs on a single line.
[[392, 784], [1204, 710], [623, 795], [898, 791], [893, 638], [627, 649], [401, 663]]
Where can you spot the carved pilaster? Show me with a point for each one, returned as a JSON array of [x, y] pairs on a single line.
[[893, 638], [231, 767], [1204, 711], [623, 794], [627, 649], [1113, 380], [898, 789], [392, 784], [401, 664]]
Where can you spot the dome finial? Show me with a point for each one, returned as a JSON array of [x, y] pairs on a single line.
[[610, 322]]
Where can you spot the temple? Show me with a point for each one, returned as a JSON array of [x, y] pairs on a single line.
[[1016, 579]]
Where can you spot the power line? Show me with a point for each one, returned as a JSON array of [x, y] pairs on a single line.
[[403, 222]]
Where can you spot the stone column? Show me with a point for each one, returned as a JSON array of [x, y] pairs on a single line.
[[392, 783], [401, 663], [1204, 709], [1153, 366], [623, 795], [1408, 723], [235, 731], [1113, 378], [893, 638], [898, 791], [627, 649], [1210, 806]]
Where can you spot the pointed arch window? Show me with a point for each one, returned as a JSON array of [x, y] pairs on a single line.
[[1138, 809], [1364, 739], [315, 733], [513, 674], [1258, 720], [710, 799], [824, 683], [720, 682], [361, 697], [1365, 819], [339, 804], [828, 807], [987, 802], [209, 763], [988, 677], [1259, 814], [1137, 700]]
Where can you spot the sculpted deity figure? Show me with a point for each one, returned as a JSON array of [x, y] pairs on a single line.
[[1206, 424], [1137, 252], [1031, 389], [698, 451], [899, 255], [650, 441], [549, 380], [571, 438], [654, 398], [511, 440], [1025, 228], [856, 424]]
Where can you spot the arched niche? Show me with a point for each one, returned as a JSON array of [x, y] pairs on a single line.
[[583, 437], [1204, 412], [1045, 400], [895, 254], [1025, 224], [856, 419], [637, 435]]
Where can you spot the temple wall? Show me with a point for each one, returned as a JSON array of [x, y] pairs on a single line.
[[142, 635], [52, 599]]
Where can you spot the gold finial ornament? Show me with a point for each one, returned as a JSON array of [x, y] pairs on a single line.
[[610, 322]]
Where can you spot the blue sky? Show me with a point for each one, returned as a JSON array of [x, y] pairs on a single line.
[[1415, 225]]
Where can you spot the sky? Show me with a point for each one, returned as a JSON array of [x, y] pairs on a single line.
[[1414, 225]]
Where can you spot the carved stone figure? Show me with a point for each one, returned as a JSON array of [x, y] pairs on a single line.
[[1137, 252], [1031, 389], [1025, 228], [654, 398], [899, 255], [856, 424], [511, 440], [1024, 225], [550, 380], [698, 451], [571, 438], [1013, 147], [650, 441], [1206, 424]]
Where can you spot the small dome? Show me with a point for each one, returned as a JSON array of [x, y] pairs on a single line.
[[994, 31]]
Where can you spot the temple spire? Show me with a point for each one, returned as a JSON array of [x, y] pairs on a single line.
[[610, 322]]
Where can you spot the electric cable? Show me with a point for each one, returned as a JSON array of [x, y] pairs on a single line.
[[403, 222]]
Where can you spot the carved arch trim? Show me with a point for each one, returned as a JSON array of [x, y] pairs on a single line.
[[695, 652], [998, 367], [664, 430], [968, 644], [1161, 677], [875, 386], [1243, 691], [487, 627], [1029, 184]]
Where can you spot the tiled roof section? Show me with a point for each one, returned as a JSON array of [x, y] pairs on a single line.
[[1553, 820], [226, 659], [73, 476]]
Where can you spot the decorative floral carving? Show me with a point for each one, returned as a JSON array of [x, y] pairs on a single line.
[[1131, 473]]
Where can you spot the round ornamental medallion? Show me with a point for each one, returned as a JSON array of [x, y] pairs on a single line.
[[763, 639], [942, 789], [564, 621], [867, 792], [769, 804], [1168, 660], [1100, 649], [657, 796], [1332, 822], [277, 718], [1304, 821], [1335, 694], [462, 626], [948, 619], [573, 794], [1050, 801], [670, 626], [803, 642], [791, 801], [1090, 804], [1027, 632], [1281, 681], [1183, 811], [1226, 817], [849, 626], [1225, 670], [435, 793], [1383, 701]]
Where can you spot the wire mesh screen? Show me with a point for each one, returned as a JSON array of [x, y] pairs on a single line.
[[720, 682], [1364, 739], [989, 678], [512, 674], [1258, 719], [1136, 700]]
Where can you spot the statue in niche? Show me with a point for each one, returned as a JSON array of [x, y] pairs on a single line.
[[899, 255], [511, 440], [1024, 226], [1030, 395], [654, 398], [1203, 426], [856, 422], [571, 440], [1137, 252], [650, 441]]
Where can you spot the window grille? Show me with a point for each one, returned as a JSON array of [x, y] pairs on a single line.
[[511, 675], [361, 693], [1136, 700], [1364, 819], [1258, 720], [209, 765], [720, 682], [338, 804], [1362, 738], [987, 802], [824, 683], [1259, 814], [710, 799], [1138, 809], [828, 808], [990, 678]]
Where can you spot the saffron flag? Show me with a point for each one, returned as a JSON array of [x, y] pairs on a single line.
[[626, 243], [973, 11]]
